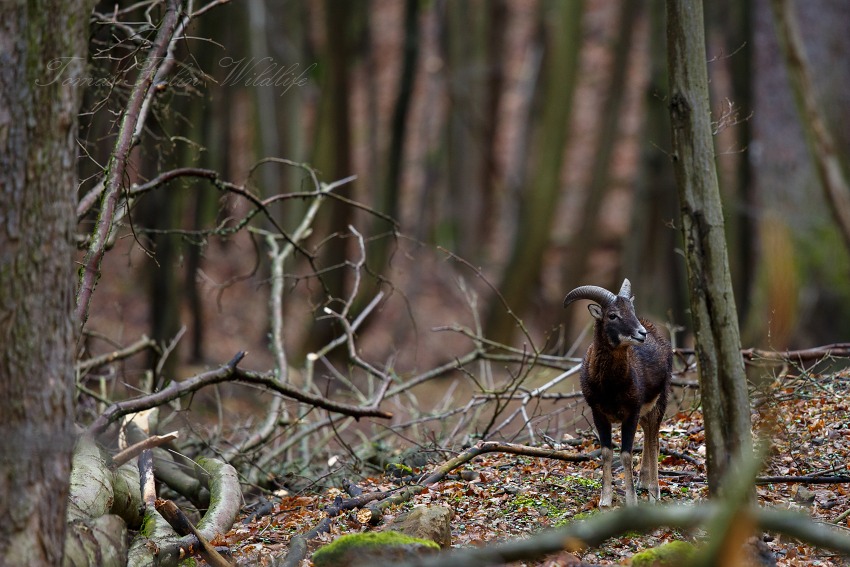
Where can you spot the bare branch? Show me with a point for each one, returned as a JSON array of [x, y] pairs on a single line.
[[225, 373], [118, 160], [98, 361]]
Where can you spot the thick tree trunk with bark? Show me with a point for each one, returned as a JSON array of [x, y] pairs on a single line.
[[722, 379], [44, 53]]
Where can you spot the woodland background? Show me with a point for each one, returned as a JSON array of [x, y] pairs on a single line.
[[384, 202], [529, 138]]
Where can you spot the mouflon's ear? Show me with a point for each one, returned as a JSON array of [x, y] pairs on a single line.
[[595, 310]]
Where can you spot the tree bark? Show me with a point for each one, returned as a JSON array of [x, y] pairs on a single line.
[[44, 53], [725, 398]]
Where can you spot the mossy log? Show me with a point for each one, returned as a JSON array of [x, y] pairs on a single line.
[[95, 534], [158, 544]]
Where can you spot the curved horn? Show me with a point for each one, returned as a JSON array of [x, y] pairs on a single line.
[[592, 292], [626, 289]]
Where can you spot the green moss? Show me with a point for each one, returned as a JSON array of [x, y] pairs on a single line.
[[540, 503], [148, 524], [668, 555], [333, 553], [582, 481], [397, 470]]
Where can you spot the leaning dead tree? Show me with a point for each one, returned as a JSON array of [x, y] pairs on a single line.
[[822, 146]]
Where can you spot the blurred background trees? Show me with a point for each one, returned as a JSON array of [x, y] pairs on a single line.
[[528, 137]]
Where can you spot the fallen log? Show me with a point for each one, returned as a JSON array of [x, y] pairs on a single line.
[[159, 544], [181, 524]]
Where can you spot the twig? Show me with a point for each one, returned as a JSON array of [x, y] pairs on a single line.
[[149, 443], [127, 352], [166, 352], [498, 294]]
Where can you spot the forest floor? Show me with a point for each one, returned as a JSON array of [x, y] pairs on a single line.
[[499, 496]]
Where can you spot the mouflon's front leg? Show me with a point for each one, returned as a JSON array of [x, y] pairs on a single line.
[[606, 499], [603, 429], [629, 429]]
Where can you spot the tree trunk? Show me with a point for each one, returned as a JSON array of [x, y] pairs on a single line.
[[44, 54], [388, 198], [650, 258], [723, 383], [562, 28], [588, 234], [332, 155]]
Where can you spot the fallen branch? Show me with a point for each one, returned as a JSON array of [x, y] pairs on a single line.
[[376, 509], [298, 545], [225, 502], [841, 350], [808, 479], [225, 373], [817, 353], [173, 470], [643, 519]]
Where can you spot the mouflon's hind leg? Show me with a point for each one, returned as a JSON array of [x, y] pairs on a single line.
[[650, 424]]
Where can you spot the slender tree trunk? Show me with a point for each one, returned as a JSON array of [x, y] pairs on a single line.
[[562, 26], [650, 259], [44, 53], [740, 38], [723, 382], [600, 177], [389, 196], [332, 154]]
